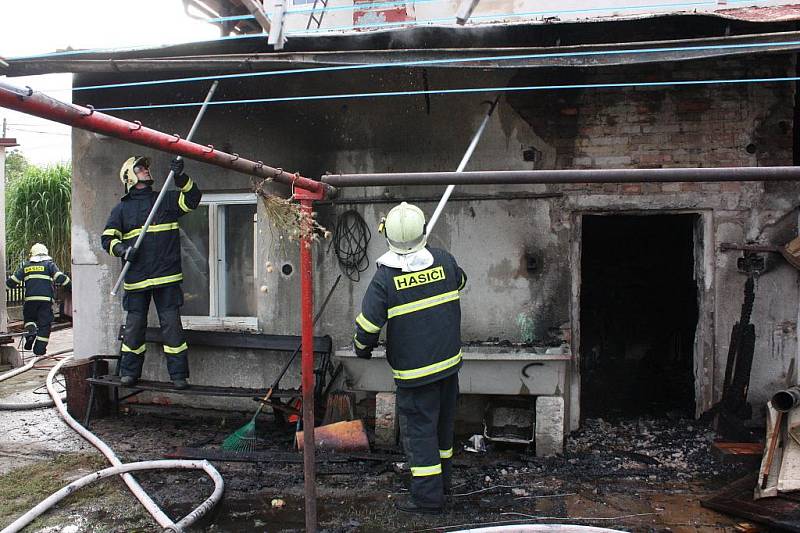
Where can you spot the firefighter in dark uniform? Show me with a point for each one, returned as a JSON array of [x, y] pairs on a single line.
[[155, 270], [37, 275], [415, 294]]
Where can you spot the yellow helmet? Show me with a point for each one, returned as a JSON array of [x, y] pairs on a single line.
[[404, 229], [39, 249], [126, 173]]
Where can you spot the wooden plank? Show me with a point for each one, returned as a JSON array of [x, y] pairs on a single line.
[[737, 499], [194, 390], [233, 339]]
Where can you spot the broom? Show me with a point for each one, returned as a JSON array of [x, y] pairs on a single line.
[[244, 438]]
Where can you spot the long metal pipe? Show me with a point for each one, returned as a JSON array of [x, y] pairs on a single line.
[[307, 366], [38, 104], [522, 177], [461, 166]]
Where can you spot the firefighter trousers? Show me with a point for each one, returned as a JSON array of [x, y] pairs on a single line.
[[38, 317], [168, 302], [427, 416]]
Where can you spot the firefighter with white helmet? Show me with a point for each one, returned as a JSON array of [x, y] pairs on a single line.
[[155, 270], [415, 294], [37, 275]]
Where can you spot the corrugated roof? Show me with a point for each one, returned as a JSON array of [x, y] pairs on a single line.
[[517, 33]]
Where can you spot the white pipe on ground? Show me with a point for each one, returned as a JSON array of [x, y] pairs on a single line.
[[19, 370], [163, 520], [59, 495]]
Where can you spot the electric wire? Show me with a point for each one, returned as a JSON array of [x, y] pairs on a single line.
[[676, 83], [378, 25], [428, 62], [350, 241]]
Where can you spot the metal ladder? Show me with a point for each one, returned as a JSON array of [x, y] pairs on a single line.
[[313, 17]]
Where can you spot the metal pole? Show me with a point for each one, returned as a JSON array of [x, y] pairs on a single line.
[[167, 184], [461, 167], [307, 294], [524, 177], [37, 104]]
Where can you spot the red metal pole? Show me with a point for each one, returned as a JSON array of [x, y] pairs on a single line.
[[307, 310], [28, 101]]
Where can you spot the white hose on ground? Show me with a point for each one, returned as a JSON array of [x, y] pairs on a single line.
[[27, 366], [539, 528], [163, 520], [26, 406], [56, 497], [17, 371]]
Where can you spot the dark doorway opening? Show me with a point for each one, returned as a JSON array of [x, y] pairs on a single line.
[[638, 315]]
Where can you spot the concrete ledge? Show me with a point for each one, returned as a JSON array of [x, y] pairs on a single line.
[[486, 370]]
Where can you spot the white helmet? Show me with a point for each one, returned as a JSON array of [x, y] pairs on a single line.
[[39, 249], [126, 173], [404, 229]]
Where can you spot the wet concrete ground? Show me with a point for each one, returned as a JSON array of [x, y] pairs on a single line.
[[636, 475]]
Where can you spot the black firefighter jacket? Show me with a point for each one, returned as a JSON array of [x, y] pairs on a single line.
[[38, 278], [158, 261], [422, 314]]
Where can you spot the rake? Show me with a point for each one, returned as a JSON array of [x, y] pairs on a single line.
[[244, 438]]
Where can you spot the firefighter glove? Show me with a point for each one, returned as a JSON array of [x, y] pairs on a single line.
[[364, 354], [130, 254], [177, 168]]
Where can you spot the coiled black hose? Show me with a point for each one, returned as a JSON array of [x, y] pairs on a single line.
[[350, 240]]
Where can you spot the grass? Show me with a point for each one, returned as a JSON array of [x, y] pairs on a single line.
[[24, 487], [38, 209]]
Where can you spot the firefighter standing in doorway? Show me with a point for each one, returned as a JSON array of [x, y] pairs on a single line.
[[37, 275], [415, 293], [155, 270]]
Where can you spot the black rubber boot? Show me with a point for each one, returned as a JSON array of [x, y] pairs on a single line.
[[128, 380], [408, 505], [30, 336], [180, 383]]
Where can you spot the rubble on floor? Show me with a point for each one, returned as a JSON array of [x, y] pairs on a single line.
[[643, 475]]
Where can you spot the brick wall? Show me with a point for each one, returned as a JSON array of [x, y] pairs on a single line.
[[679, 126]]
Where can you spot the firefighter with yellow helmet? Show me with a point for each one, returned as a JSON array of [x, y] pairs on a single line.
[[37, 275], [155, 272], [415, 295]]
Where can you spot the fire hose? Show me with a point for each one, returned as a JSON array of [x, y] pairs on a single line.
[[17, 371], [119, 468]]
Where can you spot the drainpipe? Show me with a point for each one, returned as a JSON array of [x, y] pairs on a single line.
[[26, 100], [306, 191], [521, 177]]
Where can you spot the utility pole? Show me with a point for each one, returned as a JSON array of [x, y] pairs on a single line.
[[5, 123]]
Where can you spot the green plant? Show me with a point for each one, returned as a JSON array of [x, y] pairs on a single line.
[[38, 209], [16, 164]]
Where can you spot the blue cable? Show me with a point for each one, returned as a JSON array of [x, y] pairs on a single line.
[[456, 91], [425, 62]]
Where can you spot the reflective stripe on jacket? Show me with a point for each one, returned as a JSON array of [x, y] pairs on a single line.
[[422, 314], [38, 277], [158, 260]]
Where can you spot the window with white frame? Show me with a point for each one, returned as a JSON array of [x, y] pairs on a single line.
[[219, 261]]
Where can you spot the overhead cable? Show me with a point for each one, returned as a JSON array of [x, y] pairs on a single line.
[[428, 62], [457, 91]]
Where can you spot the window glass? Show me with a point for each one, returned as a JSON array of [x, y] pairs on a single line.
[[194, 256], [240, 297]]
